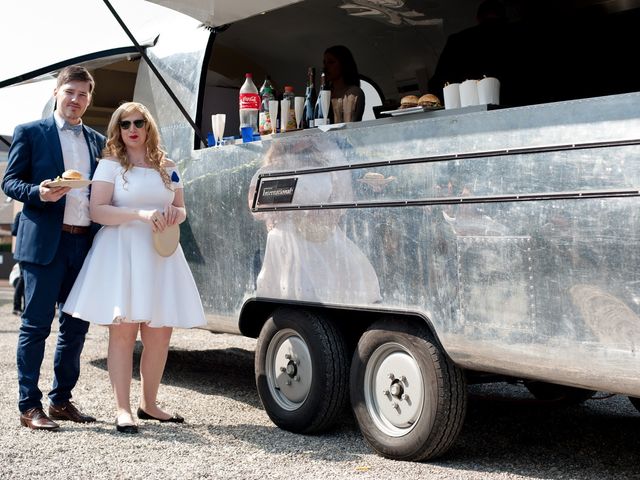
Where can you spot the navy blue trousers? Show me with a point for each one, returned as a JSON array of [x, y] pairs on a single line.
[[44, 287]]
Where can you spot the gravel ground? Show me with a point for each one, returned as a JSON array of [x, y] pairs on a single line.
[[209, 380]]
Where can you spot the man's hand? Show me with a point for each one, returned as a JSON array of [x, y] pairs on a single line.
[[52, 194]]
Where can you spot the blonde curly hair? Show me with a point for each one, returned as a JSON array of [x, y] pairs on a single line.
[[115, 147]]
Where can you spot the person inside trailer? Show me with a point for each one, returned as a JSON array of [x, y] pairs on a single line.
[[341, 72]]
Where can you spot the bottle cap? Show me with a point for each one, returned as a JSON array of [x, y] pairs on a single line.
[[248, 75], [288, 89]]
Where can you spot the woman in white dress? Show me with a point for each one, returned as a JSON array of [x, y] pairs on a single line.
[[124, 283]]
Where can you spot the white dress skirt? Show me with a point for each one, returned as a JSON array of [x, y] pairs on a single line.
[[123, 278]]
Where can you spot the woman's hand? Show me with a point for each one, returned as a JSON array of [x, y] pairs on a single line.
[[155, 218], [173, 215]]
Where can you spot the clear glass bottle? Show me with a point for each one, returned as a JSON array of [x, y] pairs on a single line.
[[291, 119], [267, 93], [310, 97]]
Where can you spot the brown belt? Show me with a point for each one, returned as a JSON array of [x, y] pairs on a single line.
[[75, 229]]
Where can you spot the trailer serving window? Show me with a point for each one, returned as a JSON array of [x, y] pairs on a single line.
[[541, 51]]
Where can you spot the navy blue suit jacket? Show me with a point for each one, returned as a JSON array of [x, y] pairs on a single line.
[[36, 155]]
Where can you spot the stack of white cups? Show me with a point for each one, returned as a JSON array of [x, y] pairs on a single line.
[[472, 92]]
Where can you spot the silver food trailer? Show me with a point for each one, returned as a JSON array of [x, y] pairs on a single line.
[[389, 263]]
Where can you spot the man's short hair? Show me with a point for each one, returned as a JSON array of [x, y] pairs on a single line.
[[75, 73]]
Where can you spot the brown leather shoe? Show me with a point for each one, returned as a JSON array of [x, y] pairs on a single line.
[[68, 411], [36, 419]]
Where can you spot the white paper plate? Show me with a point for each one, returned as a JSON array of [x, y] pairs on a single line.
[[410, 110], [68, 183]]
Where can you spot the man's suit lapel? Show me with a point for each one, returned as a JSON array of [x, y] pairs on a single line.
[[53, 139], [93, 146]]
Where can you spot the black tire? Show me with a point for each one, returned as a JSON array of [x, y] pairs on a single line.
[[312, 390], [425, 424], [635, 402], [562, 394]]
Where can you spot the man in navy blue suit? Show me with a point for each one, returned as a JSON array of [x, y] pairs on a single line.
[[53, 239]]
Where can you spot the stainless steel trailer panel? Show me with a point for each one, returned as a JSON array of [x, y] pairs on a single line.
[[512, 232]]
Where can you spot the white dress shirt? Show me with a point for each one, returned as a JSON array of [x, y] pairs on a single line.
[[75, 153]]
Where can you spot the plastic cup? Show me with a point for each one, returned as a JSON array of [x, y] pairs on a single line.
[[218, 126], [325, 99], [299, 109], [451, 96], [469, 93], [489, 91], [247, 134], [273, 114], [284, 115]]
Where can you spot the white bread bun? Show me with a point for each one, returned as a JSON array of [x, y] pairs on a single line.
[[373, 176], [71, 175], [429, 100], [409, 101]]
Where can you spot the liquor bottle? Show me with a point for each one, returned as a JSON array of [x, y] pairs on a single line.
[[291, 117], [309, 99], [318, 112], [264, 118], [249, 104]]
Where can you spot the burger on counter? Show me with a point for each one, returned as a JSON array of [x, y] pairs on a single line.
[[409, 101], [426, 100], [429, 100]]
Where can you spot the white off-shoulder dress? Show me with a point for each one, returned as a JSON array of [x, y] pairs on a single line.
[[123, 278]]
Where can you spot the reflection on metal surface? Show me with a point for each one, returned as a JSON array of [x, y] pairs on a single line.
[[307, 256], [608, 318], [179, 68], [526, 288], [393, 12]]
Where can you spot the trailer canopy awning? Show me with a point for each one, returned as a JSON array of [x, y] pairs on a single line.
[[214, 13], [39, 36]]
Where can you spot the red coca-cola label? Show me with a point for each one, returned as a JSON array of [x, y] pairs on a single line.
[[250, 101]]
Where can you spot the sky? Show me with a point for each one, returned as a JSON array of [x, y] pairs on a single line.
[[43, 32]]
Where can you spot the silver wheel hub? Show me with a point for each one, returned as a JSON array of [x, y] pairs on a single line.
[[394, 389], [288, 369]]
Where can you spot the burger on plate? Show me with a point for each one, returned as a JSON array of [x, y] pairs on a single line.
[[409, 101], [429, 100], [71, 175]]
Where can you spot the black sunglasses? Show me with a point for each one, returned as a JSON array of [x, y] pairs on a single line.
[[125, 124]]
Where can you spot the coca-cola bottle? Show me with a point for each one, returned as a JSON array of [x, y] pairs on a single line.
[[249, 104]]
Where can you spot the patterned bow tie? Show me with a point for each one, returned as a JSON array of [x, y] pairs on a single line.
[[76, 129]]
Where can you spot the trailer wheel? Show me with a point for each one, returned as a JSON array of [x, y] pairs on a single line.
[[409, 399], [301, 370], [550, 392], [635, 402]]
